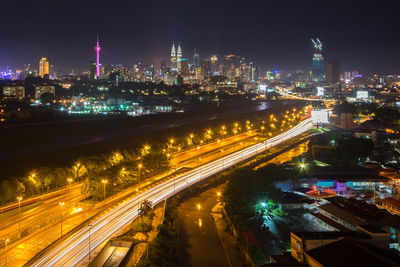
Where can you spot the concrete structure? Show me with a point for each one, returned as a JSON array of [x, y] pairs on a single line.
[[346, 121]]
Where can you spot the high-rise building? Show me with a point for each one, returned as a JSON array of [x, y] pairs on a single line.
[[205, 68], [179, 59], [347, 77], [43, 67], [185, 66], [196, 58], [173, 57], [97, 49], [332, 71], [214, 66], [318, 66], [92, 70]]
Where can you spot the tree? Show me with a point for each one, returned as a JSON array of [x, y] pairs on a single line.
[[354, 149], [145, 208]]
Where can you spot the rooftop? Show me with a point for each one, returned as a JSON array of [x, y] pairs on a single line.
[[372, 229], [342, 214], [291, 198], [351, 253], [359, 208], [392, 201], [349, 173], [328, 235]]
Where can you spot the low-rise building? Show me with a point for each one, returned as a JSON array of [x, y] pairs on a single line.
[[391, 204], [41, 89], [14, 92]]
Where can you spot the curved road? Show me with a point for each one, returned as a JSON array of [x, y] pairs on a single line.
[[75, 250]]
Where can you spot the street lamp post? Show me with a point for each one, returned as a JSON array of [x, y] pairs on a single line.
[[19, 205], [223, 160], [139, 167], [19, 212], [104, 181], [61, 206], [69, 182], [201, 169], [5, 243], [90, 226], [174, 179]]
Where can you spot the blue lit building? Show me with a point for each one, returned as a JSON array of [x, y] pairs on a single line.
[[318, 65]]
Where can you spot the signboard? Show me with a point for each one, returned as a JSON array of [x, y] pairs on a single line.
[[320, 91], [320, 116], [362, 94], [262, 87]]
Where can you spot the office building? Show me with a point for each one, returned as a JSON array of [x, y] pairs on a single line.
[[173, 57], [179, 59], [318, 66], [332, 71], [196, 58], [185, 66], [44, 67]]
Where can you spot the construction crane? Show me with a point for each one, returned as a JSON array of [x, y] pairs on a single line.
[[317, 44]]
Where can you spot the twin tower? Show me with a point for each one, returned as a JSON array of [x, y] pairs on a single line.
[[176, 58]]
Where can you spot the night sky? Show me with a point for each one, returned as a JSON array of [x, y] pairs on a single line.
[[362, 35]]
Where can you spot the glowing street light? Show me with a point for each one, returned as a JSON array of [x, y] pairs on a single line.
[[219, 196]]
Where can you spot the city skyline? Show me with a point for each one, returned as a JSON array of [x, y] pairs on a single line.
[[275, 35]]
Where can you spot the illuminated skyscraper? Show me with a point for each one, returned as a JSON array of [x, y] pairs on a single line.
[[97, 49], [179, 59], [214, 66], [173, 57], [318, 66], [43, 67], [196, 58]]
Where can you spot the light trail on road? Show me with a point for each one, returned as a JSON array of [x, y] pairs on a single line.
[[75, 250]]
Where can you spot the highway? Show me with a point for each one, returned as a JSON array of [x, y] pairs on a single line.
[[75, 250], [43, 221]]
